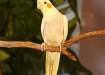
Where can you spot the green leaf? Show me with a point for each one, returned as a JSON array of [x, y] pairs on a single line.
[[72, 25], [3, 55], [72, 22]]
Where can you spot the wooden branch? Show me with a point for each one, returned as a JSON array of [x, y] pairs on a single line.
[[35, 46], [84, 36], [68, 43]]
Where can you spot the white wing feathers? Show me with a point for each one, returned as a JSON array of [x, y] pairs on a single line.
[[65, 27]]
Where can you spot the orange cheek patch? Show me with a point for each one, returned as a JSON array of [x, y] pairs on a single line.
[[49, 5]]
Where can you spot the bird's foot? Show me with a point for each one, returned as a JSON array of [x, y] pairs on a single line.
[[43, 46], [59, 47]]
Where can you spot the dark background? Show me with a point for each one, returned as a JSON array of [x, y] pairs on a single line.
[[20, 21]]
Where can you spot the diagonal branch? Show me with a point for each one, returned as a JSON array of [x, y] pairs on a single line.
[[36, 46], [84, 36]]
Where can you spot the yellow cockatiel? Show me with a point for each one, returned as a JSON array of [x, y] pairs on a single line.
[[54, 29]]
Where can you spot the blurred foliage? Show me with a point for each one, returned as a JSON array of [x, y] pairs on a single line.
[[3, 55], [58, 2], [73, 6], [20, 20]]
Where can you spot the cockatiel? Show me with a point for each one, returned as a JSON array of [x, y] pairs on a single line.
[[54, 29]]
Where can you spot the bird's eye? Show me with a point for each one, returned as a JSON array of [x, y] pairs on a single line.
[[45, 2]]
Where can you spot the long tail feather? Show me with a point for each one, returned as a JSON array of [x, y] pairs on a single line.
[[52, 63]]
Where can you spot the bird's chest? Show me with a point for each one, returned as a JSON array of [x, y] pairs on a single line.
[[53, 29], [53, 23]]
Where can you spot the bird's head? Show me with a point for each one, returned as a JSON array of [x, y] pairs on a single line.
[[44, 4]]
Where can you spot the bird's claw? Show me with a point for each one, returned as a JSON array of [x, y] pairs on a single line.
[[43, 47], [59, 47]]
